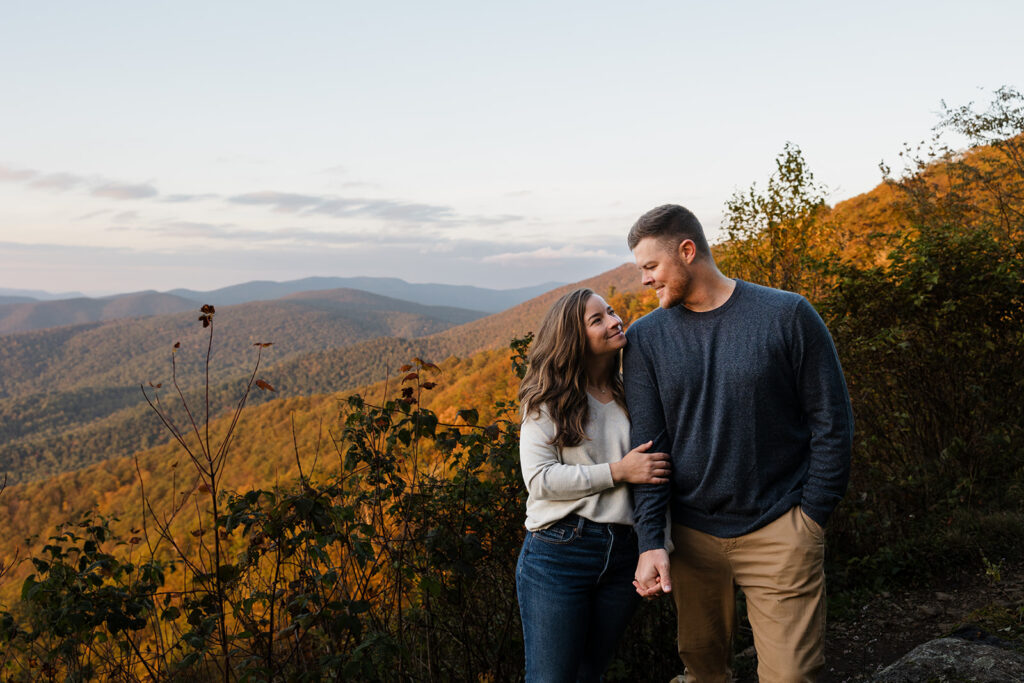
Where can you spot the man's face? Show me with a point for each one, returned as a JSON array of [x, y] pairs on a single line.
[[662, 268]]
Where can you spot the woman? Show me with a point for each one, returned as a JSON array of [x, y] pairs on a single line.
[[575, 571]]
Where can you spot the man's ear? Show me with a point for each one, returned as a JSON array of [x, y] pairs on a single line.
[[687, 251]]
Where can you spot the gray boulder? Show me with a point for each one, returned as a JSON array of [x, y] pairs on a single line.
[[955, 659]]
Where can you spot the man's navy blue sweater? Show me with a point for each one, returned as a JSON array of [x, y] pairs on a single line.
[[750, 402]]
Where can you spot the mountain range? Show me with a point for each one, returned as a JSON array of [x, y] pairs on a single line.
[[7, 293], [25, 310]]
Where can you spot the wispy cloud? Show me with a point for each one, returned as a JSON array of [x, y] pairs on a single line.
[[228, 235], [392, 211], [285, 202], [184, 198], [124, 191], [340, 207], [385, 208], [92, 214], [64, 182], [357, 207], [58, 182], [494, 220], [563, 253], [269, 239], [341, 171], [334, 237], [230, 232], [16, 175], [193, 229]]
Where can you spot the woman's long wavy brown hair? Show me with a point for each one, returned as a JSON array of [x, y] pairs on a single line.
[[556, 376]]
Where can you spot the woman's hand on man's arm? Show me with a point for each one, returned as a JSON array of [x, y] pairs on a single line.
[[642, 467]]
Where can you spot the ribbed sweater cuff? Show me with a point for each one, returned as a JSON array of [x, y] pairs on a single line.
[[650, 537]]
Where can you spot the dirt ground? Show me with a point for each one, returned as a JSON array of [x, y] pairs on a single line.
[[882, 628]]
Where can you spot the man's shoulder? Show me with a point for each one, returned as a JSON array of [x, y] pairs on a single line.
[[770, 297], [646, 324], [781, 309]]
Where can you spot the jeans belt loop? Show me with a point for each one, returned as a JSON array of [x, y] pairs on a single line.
[[580, 523]]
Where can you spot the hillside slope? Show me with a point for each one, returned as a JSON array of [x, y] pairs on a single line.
[[37, 315], [68, 395], [124, 352], [263, 452], [340, 368]]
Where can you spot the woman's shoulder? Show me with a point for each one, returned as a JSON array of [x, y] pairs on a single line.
[[537, 417], [537, 431]]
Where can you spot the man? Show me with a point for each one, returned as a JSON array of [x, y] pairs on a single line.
[[741, 384]]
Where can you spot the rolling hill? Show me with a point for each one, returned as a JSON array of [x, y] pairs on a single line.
[[60, 387], [70, 396], [37, 315]]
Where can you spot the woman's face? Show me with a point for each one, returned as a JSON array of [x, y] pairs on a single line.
[[603, 327]]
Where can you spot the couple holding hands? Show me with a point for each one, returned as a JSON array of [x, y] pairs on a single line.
[[712, 462]]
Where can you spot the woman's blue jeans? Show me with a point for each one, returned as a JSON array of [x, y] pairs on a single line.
[[575, 585]]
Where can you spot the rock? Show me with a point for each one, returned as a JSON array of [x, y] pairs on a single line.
[[955, 659], [930, 610]]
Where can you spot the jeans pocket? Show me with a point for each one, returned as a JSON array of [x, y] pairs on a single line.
[[558, 533]]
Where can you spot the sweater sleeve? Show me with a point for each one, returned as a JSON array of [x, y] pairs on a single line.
[[546, 477], [826, 407], [647, 423]]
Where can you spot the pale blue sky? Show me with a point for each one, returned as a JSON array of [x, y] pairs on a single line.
[[199, 144]]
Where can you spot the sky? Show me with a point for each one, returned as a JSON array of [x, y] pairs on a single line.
[[497, 144]]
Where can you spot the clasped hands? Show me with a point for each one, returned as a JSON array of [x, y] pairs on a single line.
[[652, 574]]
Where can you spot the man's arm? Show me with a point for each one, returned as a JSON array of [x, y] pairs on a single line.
[[826, 406], [647, 423]]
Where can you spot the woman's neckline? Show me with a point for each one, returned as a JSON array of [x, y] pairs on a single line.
[[611, 398]]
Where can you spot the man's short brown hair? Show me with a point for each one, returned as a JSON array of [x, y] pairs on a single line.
[[672, 224]]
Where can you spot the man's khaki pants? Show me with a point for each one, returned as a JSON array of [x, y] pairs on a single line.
[[780, 569]]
